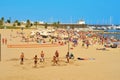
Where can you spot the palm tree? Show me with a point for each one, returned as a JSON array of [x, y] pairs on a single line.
[[46, 25], [15, 23], [2, 21], [2, 18], [28, 23], [36, 24], [19, 24], [8, 21], [56, 24]]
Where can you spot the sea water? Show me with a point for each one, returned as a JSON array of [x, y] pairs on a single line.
[[112, 35]]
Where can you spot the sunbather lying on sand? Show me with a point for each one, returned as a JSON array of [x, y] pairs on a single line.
[[100, 48], [79, 58]]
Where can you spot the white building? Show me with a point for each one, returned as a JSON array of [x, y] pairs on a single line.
[[81, 22], [41, 22]]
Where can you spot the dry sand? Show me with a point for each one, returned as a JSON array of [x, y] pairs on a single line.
[[106, 65]]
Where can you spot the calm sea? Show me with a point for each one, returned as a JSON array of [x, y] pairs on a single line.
[[112, 35]]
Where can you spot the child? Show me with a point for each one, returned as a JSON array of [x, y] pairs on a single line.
[[3, 40], [35, 60], [54, 60], [57, 55], [67, 57], [22, 58], [42, 56]]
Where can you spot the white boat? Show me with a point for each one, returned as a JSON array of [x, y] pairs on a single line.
[[118, 28]]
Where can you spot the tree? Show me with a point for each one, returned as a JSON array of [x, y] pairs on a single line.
[[56, 24], [18, 24], [2, 21], [31, 24], [28, 24], [8, 21], [36, 24], [2, 18], [46, 25], [16, 21]]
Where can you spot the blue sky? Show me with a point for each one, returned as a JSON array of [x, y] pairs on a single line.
[[65, 11]]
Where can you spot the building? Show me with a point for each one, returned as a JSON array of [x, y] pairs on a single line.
[[81, 22]]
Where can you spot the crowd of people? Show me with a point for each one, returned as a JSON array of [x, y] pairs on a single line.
[[4, 41], [62, 37]]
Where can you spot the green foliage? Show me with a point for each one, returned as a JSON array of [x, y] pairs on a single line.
[[56, 24], [9, 27], [46, 25], [1, 27], [8, 21], [16, 21], [19, 24], [12, 27], [1, 22], [36, 23], [31, 24], [2, 18], [14, 24], [28, 24]]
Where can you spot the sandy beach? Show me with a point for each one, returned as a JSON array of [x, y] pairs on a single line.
[[101, 65]]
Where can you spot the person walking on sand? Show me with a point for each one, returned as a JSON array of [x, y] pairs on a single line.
[[22, 58], [3, 41], [35, 60], [42, 56], [83, 43], [57, 55], [67, 57], [87, 43], [55, 60]]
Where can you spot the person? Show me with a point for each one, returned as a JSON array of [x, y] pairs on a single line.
[[35, 60], [79, 58], [2, 40], [42, 56], [5, 40], [100, 48], [67, 57], [83, 43], [55, 60], [114, 46], [71, 56], [82, 58], [87, 43], [57, 55], [22, 58]]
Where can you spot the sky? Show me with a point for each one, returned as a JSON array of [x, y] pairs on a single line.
[[65, 11]]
